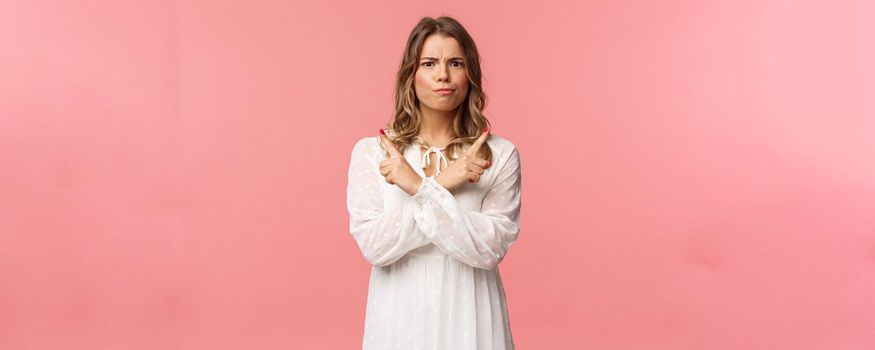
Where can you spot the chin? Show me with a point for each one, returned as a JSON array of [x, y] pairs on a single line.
[[444, 107]]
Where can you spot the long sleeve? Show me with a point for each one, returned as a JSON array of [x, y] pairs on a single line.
[[383, 236], [478, 238]]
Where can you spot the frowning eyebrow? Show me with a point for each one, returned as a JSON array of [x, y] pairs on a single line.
[[435, 59]]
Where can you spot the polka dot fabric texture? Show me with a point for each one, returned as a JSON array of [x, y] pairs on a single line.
[[435, 282]]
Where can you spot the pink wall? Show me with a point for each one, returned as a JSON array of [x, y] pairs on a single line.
[[697, 175]]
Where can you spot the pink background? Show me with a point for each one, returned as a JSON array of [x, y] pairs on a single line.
[[697, 174]]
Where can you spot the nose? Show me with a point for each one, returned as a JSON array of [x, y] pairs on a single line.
[[443, 73]]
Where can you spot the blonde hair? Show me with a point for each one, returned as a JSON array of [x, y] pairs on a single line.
[[469, 122]]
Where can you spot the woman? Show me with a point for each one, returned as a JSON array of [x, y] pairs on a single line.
[[434, 203]]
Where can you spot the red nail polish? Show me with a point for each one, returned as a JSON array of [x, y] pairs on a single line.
[[485, 129], [382, 132]]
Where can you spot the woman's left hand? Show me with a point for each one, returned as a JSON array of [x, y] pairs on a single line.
[[467, 168]]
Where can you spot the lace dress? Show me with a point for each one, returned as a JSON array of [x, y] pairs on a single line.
[[435, 281]]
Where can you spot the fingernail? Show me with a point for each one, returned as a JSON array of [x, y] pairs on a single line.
[[382, 132], [485, 129]]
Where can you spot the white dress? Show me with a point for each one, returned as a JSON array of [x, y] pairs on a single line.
[[435, 282]]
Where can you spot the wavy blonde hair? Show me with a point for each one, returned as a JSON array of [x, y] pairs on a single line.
[[469, 122]]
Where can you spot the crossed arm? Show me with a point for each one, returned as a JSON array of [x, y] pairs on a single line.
[[432, 215]]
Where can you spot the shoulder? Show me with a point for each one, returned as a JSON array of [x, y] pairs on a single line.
[[366, 145], [502, 148], [499, 143]]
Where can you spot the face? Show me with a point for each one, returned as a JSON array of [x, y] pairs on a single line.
[[441, 66]]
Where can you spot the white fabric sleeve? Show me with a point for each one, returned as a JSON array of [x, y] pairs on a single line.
[[477, 238], [384, 236]]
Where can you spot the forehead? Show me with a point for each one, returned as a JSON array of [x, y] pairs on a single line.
[[438, 45]]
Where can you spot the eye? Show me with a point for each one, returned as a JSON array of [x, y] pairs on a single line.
[[427, 64], [459, 64]]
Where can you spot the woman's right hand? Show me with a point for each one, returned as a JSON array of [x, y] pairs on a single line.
[[397, 170]]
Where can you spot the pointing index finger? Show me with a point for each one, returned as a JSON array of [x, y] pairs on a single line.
[[479, 142], [393, 152]]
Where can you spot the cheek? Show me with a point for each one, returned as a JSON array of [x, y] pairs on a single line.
[[461, 78], [463, 84], [419, 82]]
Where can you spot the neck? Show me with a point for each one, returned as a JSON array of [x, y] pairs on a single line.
[[436, 127]]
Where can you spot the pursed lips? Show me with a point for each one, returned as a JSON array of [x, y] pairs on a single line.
[[444, 91]]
